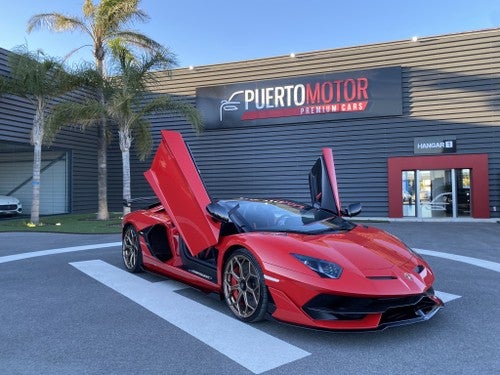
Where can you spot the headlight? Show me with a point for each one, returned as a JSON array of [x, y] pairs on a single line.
[[321, 267]]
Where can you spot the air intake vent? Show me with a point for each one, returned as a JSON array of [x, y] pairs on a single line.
[[419, 268], [381, 277]]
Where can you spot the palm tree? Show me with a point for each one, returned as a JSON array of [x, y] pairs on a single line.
[[39, 79], [104, 23], [127, 107]]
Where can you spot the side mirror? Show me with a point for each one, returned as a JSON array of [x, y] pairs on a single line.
[[352, 210], [218, 212]]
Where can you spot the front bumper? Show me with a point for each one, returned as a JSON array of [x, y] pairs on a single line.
[[352, 313], [392, 311], [354, 302], [10, 209]]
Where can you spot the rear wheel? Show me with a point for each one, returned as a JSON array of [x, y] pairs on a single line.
[[131, 250], [243, 284]]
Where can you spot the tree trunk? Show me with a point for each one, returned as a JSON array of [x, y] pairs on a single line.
[[102, 145], [36, 140], [126, 180], [125, 142], [102, 172]]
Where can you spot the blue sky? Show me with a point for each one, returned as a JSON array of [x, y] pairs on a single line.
[[202, 32]]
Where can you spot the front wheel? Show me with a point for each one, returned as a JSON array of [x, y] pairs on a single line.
[[244, 289], [131, 250]]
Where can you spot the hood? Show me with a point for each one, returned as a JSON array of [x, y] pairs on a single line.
[[373, 262], [366, 251], [5, 199], [371, 251]]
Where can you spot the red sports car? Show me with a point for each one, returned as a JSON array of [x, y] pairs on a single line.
[[298, 263]]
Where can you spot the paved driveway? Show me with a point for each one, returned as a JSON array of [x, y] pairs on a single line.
[[60, 318]]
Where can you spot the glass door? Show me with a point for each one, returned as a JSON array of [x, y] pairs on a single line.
[[435, 193], [443, 193], [408, 198], [463, 186]]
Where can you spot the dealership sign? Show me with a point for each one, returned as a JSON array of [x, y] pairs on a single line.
[[435, 145], [325, 97]]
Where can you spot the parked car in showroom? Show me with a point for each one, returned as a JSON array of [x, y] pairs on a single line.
[[10, 205]]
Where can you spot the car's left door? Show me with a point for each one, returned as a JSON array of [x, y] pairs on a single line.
[[177, 183]]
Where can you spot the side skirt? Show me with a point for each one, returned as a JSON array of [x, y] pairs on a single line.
[[205, 268]]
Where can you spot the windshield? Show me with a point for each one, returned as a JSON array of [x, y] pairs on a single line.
[[275, 215]]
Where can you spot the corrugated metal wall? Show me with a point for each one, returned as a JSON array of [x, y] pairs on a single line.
[[451, 87], [16, 119]]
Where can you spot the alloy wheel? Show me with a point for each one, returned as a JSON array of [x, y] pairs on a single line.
[[243, 285], [131, 250]]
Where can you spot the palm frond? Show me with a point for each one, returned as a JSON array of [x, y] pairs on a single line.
[[35, 74], [143, 138], [56, 22], [88, 9], [75, 50], [120, 51], [114, 14], [145, 43], [85, 114]]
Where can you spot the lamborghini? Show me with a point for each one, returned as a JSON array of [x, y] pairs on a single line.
[[301, 263]]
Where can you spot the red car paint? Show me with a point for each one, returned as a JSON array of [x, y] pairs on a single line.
[[376, 267]]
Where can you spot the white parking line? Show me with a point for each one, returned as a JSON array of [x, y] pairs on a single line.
[[460, 258], [227, 335], [446, 297], [34, 254]]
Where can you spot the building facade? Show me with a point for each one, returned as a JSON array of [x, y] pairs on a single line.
[[414, 127]]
